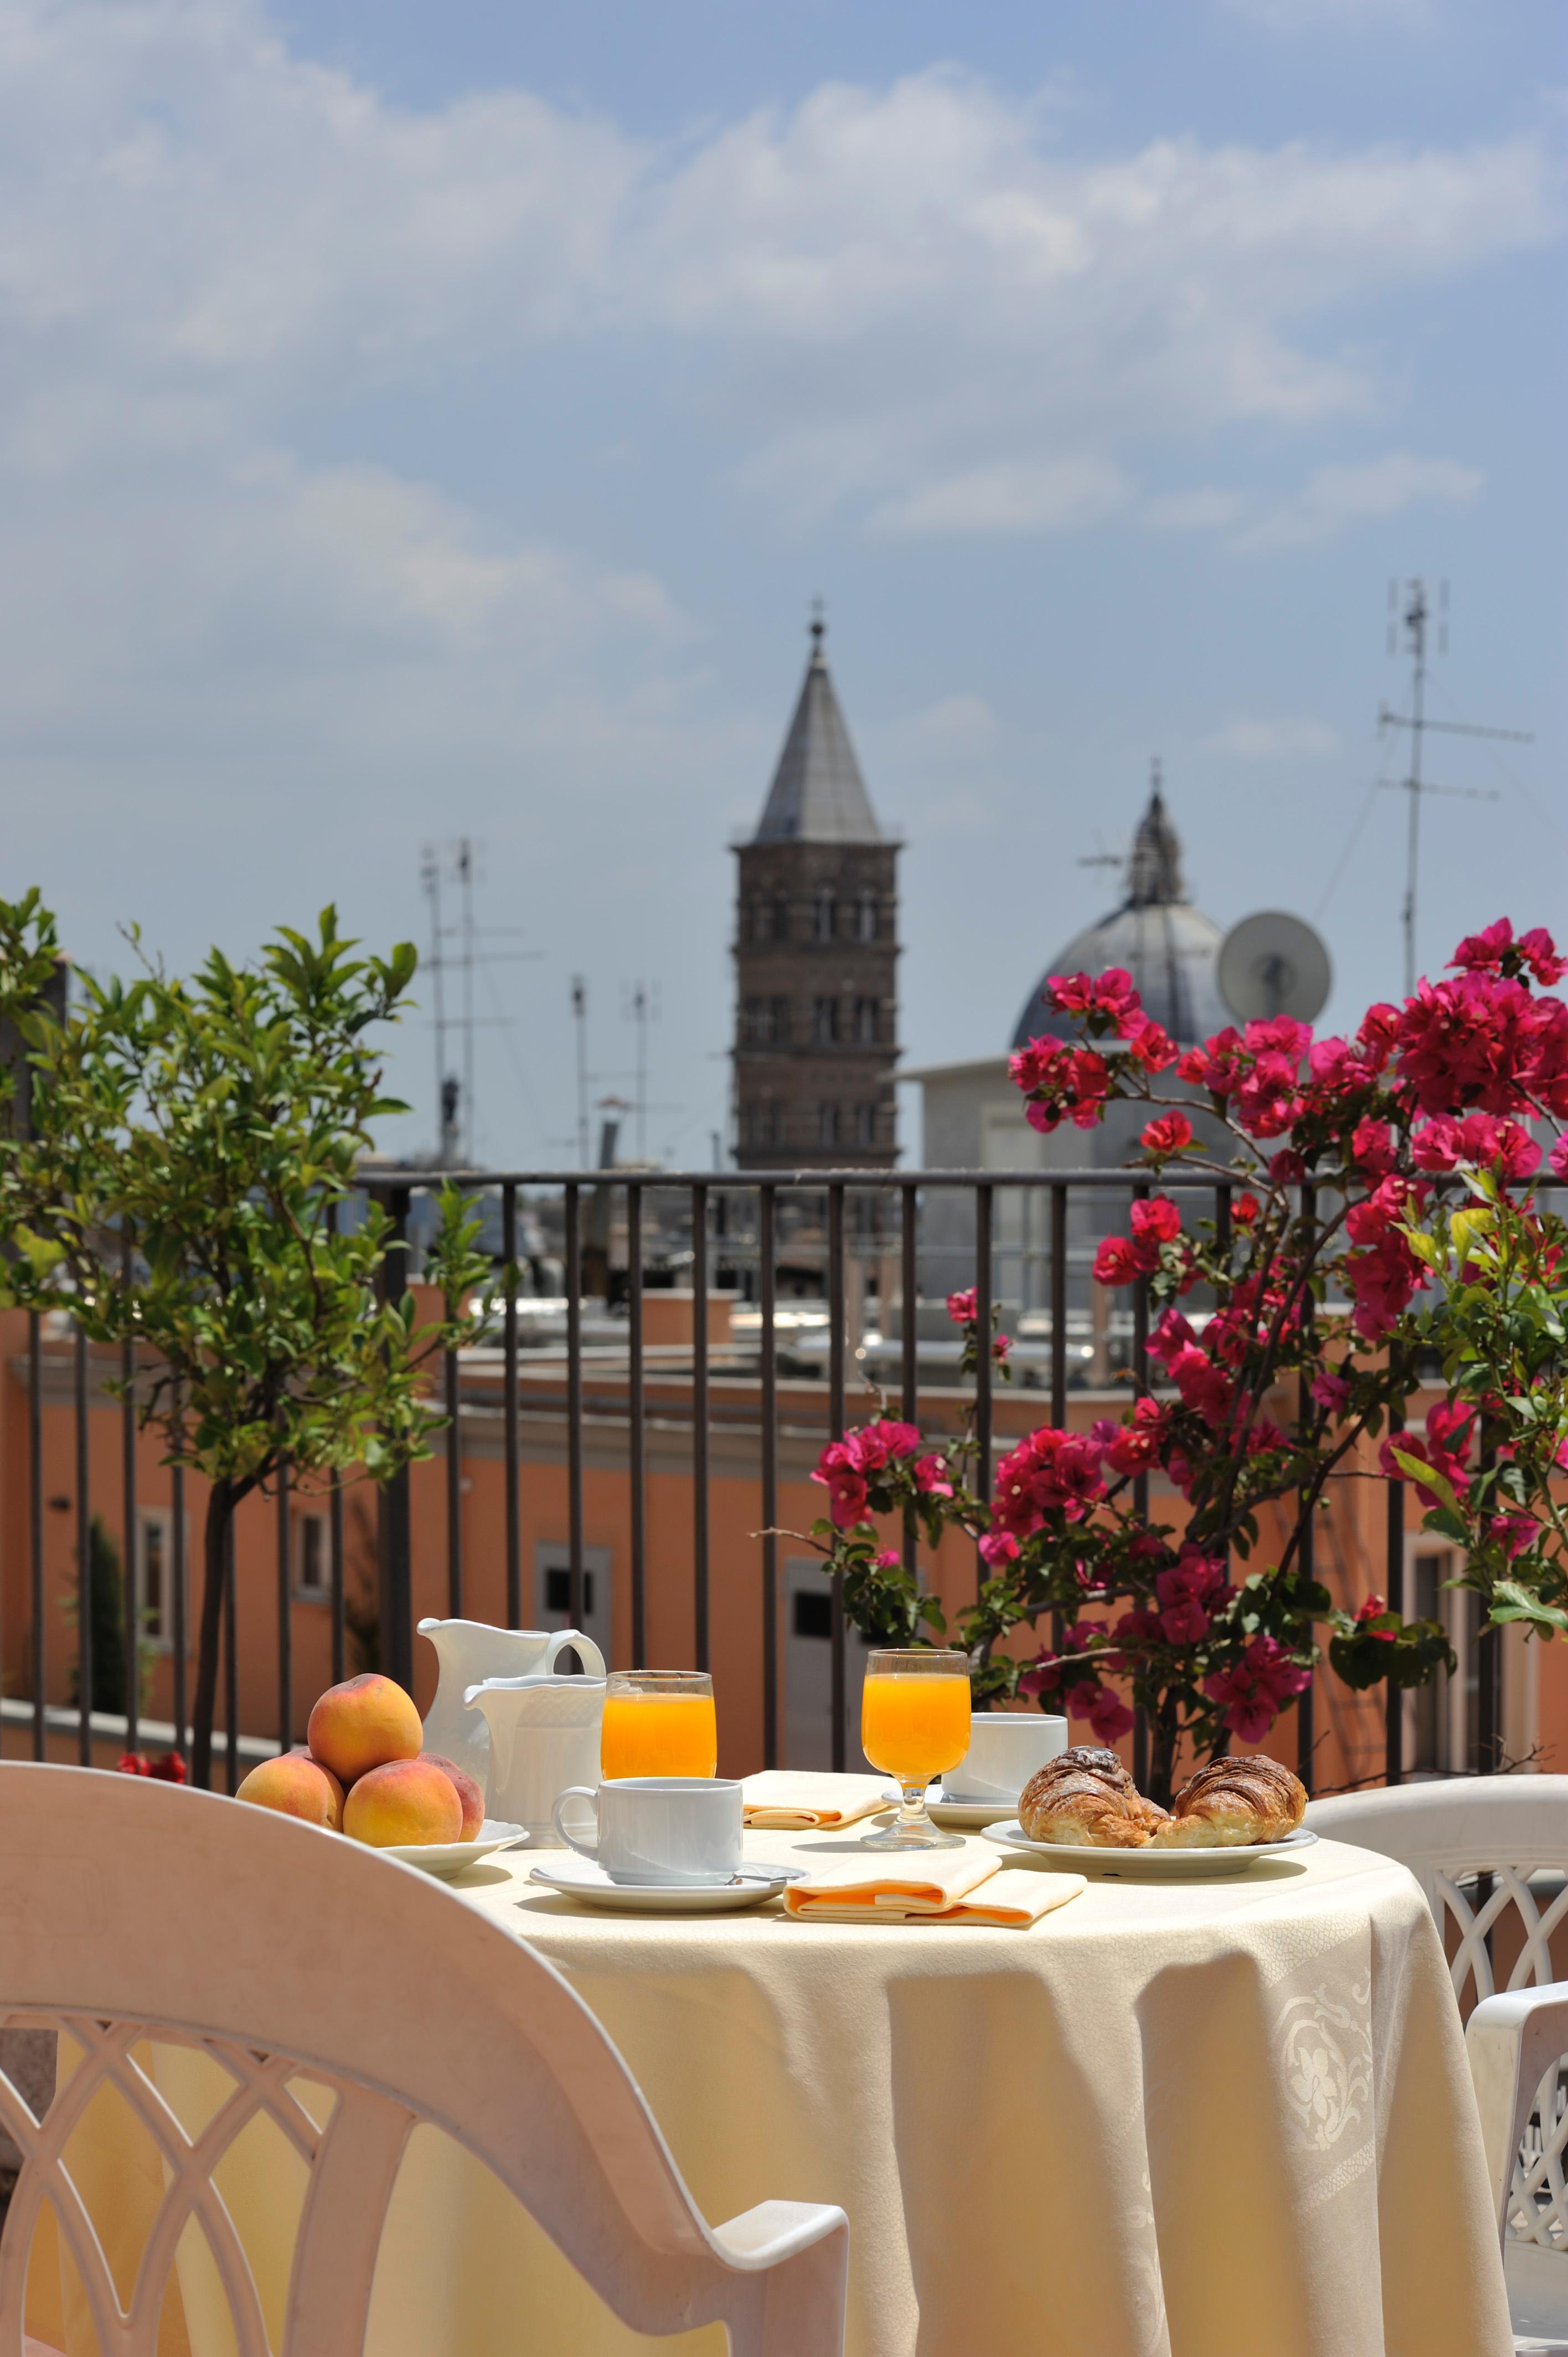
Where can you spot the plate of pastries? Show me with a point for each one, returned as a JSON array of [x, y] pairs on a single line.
[[1082, 1810]]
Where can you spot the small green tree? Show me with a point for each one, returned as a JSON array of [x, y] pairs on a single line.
[[216, 1126]]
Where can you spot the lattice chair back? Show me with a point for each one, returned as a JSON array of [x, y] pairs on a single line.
[[1473, 1844], [137, 1918]]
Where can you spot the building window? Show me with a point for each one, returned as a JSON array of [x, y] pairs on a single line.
[[157, 1534], [865, 916], [824, 1022], [756, 920], [828, 1125], [781, 913], [312, 1555], [760, 1126], [866, 1022], [865, 1125], [827, 912], [778, 1022]]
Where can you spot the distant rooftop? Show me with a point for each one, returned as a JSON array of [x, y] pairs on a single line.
[[818, 794]]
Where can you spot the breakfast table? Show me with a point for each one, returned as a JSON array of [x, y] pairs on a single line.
[[1228, 2117], [1214, 2116]]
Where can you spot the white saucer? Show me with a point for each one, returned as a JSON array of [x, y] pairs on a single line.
[[579, 1878], [447, 1859], [959, 1816], [1146, 1865]]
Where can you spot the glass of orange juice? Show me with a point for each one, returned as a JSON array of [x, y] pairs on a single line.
[[659, 1722], [914, 1724]]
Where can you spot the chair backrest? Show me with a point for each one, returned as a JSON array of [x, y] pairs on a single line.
[[1483, 1848], [134, 1911]]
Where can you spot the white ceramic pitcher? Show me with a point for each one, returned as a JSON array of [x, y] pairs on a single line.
[[544, 1738], [468, 1653]]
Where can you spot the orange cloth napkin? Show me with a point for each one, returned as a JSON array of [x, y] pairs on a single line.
[[940, 1886], [795, 1800]]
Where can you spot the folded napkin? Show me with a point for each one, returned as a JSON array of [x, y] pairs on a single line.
[[930, 1887], [789, 1799]]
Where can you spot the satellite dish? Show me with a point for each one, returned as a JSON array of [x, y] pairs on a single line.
[[1273, 964]]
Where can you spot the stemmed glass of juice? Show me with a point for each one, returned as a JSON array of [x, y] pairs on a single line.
[[914, 1724], [659, 1722]]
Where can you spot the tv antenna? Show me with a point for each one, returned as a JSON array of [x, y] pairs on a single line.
[[1409, 610], [580, 1023], [455, 1095], [641, 1006]]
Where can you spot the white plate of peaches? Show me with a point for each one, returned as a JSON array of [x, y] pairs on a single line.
[[362, 1774]]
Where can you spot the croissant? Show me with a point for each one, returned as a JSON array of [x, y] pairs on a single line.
[[1085, 1796], [1231, 1802]]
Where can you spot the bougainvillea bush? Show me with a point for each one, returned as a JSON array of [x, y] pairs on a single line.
[[1384, 1222]]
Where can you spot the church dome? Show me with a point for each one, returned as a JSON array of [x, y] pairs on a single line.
[[1170, 949]]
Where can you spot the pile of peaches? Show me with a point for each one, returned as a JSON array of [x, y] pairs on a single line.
[[362, 1773]]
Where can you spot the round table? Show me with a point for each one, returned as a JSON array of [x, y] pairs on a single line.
[[1229, 2117]]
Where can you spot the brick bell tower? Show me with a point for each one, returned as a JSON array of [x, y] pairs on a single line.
[[816, 952]]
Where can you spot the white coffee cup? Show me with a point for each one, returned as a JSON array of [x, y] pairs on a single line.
[[667, 1829], [1005, 1747]]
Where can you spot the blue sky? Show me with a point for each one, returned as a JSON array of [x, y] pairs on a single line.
[[423, 420]]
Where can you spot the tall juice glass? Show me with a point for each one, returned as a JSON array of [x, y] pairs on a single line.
[[659, 1722], [914, 1724]]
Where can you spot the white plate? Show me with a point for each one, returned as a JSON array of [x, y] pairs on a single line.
[[446, 1859], [579, 1878], [1146, 1865]]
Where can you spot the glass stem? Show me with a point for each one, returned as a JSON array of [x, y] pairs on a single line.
[[912, 1807]]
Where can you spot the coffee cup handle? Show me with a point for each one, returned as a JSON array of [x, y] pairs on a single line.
[[577, 1792]]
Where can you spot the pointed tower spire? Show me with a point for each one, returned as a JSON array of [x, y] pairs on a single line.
[[818, 794], [1153, 871]]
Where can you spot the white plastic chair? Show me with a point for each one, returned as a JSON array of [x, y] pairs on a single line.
[[134, 1911], [1515, 1830]]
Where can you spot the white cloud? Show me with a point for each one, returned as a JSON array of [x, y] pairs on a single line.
[[1334, 498], [1274, 740], [1206, 509], [1053, 497], [208, 239]]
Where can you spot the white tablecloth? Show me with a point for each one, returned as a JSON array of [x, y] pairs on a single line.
[[1227, 2118]]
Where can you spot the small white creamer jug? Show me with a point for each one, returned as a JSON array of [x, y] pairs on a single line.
[[544, 1738], [468, 1653]]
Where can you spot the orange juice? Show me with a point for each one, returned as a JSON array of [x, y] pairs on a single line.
[[659, 1735], [914, 1728]]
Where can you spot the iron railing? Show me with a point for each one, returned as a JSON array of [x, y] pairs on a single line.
[[716, 1221]]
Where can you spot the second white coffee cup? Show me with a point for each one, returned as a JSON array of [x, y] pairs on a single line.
[[653, 1829], [1005, 1747]]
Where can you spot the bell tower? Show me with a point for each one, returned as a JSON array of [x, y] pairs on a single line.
[[816, 952]]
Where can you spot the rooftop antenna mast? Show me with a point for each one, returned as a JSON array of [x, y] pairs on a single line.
[[446, 1081], [640, 1006], [1409, 610], [580, 1020]]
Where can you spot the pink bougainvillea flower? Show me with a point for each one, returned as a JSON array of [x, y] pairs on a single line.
[[962, 1306], [1169, 1133], [1156, 1221], [1149, 1044], [1331, 1391], [1138, 1442], [932, 1477], [1108, 1716], [1244, 1210], [1372, 1147], [1204, 1387], [1116, 1261], [998, 1547], [1475, 1138], [1172, 1334], [1042, 1676], [889, 1560]]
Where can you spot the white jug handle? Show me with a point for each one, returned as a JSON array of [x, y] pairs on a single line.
[[577, 1792], [587, 1652]]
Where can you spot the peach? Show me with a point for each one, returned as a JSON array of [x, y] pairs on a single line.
[[404, 1801], [468, 1792], [362, 1725], [297, 1786]]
